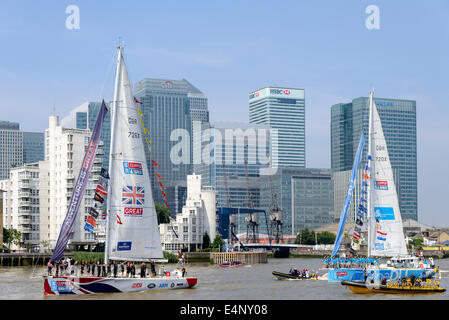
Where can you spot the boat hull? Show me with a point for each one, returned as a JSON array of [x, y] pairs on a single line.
[[284, 276], [362, 288], [88, 285], [358, 274], [345, 274], [232, 265]]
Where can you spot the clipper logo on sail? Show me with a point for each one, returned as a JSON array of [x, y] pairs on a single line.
[[133, 195], [381, 185], [132, 168]]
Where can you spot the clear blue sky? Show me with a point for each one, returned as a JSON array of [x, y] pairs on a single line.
[[229, 48]]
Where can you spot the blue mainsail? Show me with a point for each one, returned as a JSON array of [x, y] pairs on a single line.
[[344, 211], [80, 186]]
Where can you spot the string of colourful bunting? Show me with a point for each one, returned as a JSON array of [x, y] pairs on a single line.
[[362, 209], [155, 164], [100, 194]]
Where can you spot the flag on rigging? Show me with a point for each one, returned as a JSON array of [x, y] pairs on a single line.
[[135, 99], [104, 173]]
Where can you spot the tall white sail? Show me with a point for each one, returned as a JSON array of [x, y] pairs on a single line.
[[385, 225], [132, 232]]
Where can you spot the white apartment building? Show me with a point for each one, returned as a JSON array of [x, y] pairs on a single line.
[[64, 151], [21, 204], [198, 217], [37, 195]]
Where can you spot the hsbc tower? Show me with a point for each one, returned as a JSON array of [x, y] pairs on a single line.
[[282, 109]]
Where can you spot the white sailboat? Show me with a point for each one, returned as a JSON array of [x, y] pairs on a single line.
[[384, 223], [385, 233], [132, 232]]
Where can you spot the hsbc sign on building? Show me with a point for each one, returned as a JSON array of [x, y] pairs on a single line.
[[277, 92], [282, 109]]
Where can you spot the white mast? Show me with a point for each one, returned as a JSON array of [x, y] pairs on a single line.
[[370, 163], [113, 117]]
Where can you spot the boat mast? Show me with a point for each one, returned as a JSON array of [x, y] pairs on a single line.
[[111, 149], [370, 162]]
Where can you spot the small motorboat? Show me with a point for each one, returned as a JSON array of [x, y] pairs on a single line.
[[295, 275], [231, 264], [363, 287]]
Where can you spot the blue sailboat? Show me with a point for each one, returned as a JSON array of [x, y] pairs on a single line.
[[337, 273], [379, 208]]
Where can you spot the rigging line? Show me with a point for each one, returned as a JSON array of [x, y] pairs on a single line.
[[32, 276], [108, 72]]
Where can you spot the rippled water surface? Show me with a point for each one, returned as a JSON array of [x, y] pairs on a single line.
[[244, 283]]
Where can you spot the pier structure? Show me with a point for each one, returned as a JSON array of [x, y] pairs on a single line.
[[25, 259], [251, 257]]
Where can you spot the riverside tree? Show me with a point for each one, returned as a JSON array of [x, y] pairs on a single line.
[[11, 236], [206, 240], [163, 213]]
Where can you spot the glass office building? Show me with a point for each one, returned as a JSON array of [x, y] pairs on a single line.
[[398, 118], [18, 147], [169, 107], [33, 147], [11, 147], [224, 148], [304, 195], [282, 109]]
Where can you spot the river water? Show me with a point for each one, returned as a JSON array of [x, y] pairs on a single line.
[[244, 283]]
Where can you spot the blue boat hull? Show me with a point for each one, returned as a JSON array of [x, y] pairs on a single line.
[[345, 274], [356, 274]]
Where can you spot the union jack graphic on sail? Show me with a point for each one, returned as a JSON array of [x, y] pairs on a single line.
[[134, 195]]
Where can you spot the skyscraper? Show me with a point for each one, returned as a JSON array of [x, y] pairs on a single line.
[[33, 147], [168, 107], [398, 117], [224, 147], [282, 109], [11, 147]]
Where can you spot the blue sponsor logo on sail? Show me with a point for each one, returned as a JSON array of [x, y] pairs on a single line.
[[379, 246], [384, 213], [124, 246], [132, 168]]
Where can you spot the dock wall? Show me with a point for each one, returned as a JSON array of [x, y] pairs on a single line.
[[245, 257]]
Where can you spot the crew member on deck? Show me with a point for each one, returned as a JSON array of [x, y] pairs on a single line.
[[143, 270], [152, 269], [49, 267]]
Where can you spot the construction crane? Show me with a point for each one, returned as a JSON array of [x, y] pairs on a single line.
[[232, 217], [252, 226], [275, 219]]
